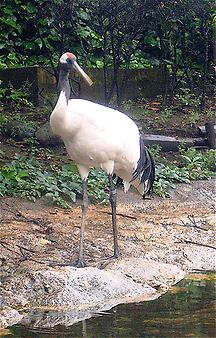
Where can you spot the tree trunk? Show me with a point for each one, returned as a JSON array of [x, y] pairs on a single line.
[[210, 134], [105, 68], [204, 75]]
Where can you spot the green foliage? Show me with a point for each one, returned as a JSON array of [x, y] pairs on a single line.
[[200, 164], [163, 32], [15, 99], [187, 99], [16, 111], [155, 152], [195, 165], [27, 178], [169, 35], [167, 113], [166, 177], [3, 120], [18, 126], [32, 31], [10, 27], [194, 117]]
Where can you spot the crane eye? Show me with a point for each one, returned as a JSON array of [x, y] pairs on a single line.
[[69, 61]]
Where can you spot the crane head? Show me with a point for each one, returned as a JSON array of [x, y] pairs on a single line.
[[68, 61]]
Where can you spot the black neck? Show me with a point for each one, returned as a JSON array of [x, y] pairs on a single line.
[[63, 82]]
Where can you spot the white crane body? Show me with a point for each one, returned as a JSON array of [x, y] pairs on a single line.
[[97, 136]]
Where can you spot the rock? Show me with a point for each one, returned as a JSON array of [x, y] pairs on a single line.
[[153, 273], [46, 137], [70, 286], [9, 317], [70, 294]]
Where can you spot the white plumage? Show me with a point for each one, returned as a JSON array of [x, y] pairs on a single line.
[[97, 136], [101, 137]]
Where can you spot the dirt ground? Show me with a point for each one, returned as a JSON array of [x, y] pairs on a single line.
[[38, 234]]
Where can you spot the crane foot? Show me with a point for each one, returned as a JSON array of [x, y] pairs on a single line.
[[108, 260]]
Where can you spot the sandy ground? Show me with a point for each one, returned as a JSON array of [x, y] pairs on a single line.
[[38, 234]]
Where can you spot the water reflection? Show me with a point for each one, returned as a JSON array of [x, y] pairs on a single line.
[[188, 310]]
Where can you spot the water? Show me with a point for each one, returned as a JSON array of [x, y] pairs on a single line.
[[187, 310]]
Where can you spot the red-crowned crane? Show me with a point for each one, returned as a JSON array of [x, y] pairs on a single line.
[[100, 137]]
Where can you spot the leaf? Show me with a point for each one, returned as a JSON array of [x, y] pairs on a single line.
[[11, 22], [39, 43]]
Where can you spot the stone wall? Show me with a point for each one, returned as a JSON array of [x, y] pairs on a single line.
[[141, 83]]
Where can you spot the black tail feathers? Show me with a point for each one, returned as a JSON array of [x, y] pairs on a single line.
[[145, 169]]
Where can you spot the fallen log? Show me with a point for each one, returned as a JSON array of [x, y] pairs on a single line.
[[170, 143]]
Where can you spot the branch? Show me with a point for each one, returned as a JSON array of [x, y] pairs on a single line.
[[119, 214], [191, 218], [48, 100], [195, 243], [47, 70], [4, 244]]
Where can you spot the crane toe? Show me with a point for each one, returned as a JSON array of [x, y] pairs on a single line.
[[109, 260], [80, 264]]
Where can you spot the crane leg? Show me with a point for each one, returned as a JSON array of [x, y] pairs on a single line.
[[113, 207], [80, 262]]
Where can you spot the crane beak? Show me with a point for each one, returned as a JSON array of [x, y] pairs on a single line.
[[82, 73]]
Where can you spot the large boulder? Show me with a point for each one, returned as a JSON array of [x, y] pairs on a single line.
[[46, 137], [68, 294]]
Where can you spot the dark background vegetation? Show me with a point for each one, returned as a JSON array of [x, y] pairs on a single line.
[[175, 37]]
